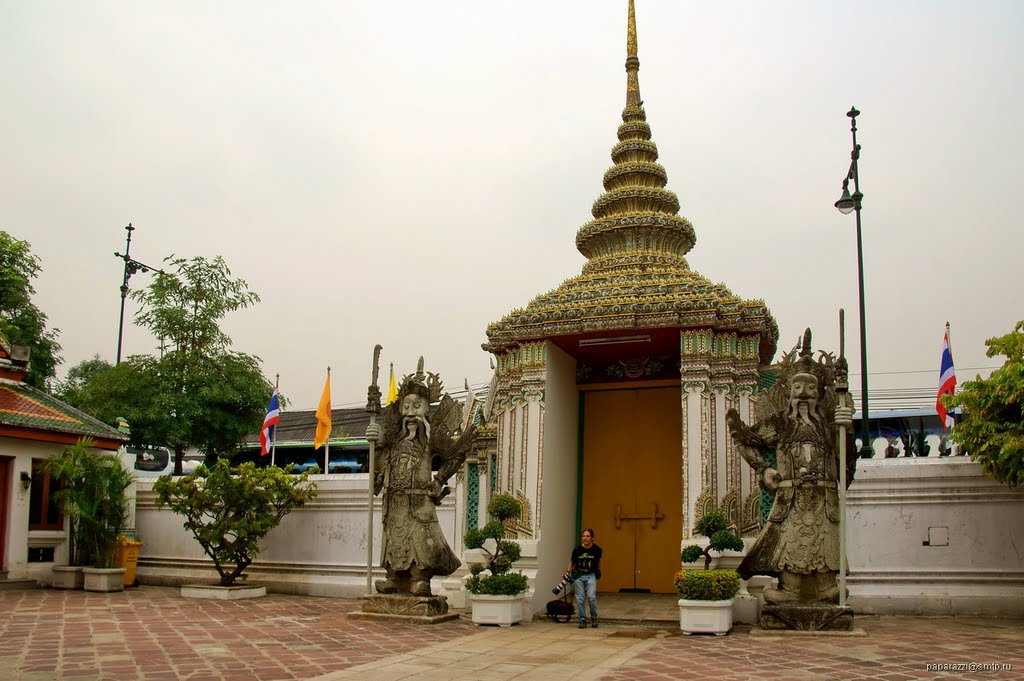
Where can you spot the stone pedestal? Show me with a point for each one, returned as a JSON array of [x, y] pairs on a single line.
[[216, 592], [806, 617], [408, 609]]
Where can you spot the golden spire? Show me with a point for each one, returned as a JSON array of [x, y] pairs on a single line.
[[632, 62], [636, 276], [636, 221]]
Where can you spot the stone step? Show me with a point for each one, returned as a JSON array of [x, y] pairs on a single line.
[[12, 584]]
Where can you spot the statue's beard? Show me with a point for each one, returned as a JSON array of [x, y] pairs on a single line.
[[422, 430], [805, 409]]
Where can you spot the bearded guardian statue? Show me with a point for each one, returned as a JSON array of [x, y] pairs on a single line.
[[797, 422], [411, 437]]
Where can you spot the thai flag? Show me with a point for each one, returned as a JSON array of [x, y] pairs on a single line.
[[269, 423], [947, 382]]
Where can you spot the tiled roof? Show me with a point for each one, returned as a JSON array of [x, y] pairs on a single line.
[[22, 406], [767, 378], [300, 426]]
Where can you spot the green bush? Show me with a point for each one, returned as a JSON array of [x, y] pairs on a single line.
[[507, 584], [229, 510], [707, 585]]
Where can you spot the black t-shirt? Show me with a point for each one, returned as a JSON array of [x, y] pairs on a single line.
[[586, 561]]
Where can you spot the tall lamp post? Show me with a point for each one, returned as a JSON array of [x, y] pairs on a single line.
[[130, 268], [847, 204]]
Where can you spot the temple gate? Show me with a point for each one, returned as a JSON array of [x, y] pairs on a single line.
[[610, 392]]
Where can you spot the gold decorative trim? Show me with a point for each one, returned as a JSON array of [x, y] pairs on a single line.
[[705, 504], [730, 506], [684, 479]]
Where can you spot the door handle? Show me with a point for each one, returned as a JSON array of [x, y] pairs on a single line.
[[654, 516]]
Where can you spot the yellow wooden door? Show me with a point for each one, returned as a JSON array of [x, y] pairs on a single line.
[[632, 485]]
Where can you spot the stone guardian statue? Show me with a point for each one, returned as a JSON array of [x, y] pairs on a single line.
[[793, 446], [419, 449]]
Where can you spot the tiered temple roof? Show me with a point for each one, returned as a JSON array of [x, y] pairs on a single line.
[[636, 276]]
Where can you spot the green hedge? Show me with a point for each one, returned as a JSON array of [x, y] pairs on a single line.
[[707, 585], [507, 584]]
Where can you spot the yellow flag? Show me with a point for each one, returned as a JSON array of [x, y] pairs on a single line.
[[323, 415], [392, 388]]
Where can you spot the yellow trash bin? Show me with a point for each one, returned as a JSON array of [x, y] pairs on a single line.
[[128, 558]]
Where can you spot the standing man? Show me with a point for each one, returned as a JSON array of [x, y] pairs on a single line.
[[585, 567]]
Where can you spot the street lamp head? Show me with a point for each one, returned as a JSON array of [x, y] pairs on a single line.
[[845, 204]]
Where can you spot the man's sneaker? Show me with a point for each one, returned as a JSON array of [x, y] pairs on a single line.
[[593, 623], [583, 624]]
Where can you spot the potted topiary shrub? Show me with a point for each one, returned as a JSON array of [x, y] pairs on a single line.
[[93, 492], [706, 596], [229, 510], [497, 597]]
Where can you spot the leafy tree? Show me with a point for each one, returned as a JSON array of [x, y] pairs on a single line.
[[991, 425], [224, 400], [229, 510], [199, 393], [20, 320], [184, 307], [78, 379]]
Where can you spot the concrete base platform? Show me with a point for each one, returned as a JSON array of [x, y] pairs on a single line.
[[807, 617], [222, 593], [654, 611], [19, 584], [404, 608], [404, 619], [793, 633]]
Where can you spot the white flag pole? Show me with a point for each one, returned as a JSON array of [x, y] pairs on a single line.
[[954, 448], [842, 389], [273, 438], [330, 417]]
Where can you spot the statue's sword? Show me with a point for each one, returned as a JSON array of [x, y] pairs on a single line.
[[373, 407], [842, 391]]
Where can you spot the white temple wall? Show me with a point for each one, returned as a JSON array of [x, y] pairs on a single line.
[[972, 563], [319, 549], [556, 507], [532, 447], [693, 471], [19, 538], [934, 536], [721, 458]]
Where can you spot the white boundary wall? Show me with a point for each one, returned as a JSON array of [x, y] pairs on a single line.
[[925, 536], [318, 550], [934, 536]]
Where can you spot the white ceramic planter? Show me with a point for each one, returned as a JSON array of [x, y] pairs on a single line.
[[104, 579], [67, 577], [501, 610], [705, 617]]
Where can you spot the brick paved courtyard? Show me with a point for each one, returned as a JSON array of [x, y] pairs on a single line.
[[153, 634]]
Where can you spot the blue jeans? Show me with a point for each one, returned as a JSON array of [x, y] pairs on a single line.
[[586, 585]]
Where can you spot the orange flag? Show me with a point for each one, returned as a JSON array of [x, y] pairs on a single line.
[[323, 415]]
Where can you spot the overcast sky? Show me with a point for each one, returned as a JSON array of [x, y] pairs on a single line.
[[404, 173]]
